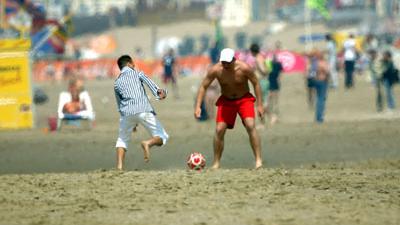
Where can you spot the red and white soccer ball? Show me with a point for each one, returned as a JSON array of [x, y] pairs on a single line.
[[196, 161]]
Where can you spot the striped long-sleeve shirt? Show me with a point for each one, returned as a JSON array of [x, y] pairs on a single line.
[[130, 93]]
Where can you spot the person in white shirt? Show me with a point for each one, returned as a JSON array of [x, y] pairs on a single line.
[[75, 103], [331, 51], [350, 57]]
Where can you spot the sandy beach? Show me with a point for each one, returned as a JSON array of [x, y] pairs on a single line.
[[366, 193], [345, 171]]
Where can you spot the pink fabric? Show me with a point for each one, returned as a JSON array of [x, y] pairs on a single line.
[[292, 62]]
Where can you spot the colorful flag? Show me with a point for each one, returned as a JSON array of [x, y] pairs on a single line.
[[320, 6]]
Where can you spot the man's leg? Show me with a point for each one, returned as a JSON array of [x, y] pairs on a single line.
[[219, 143], [389, 95], [264, 83], [379, 100], [347, 74], [120, 158], [146, 145], [157, 131], [310, 93], [310, 99], [270, 105], [321, 98], [254, 140], [175, 88], [274, 107], [349, 69], [126, 125], [352, 70]]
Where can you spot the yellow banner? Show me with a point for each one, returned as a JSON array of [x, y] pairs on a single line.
[[15, 87], [17, 45], [340, 38]]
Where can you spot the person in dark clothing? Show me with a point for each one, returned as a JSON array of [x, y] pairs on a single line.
[[169, 75], [390, 76], [310, 78], [273, 94]]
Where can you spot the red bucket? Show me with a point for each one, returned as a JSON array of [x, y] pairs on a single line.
[[52, 121]]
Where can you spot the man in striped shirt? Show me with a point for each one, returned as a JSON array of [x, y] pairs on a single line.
[[135, 108]]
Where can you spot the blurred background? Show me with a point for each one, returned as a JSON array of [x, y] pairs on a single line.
[[47, 46], [54, 40], [94, 29]]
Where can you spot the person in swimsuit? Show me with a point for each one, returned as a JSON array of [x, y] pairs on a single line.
[[233, 76]]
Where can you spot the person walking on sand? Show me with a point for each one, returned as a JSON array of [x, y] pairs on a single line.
[[350, 58], [390, 76], [170, 71], [274, 87], [376, 75], [233, 76], [135, 108], [261, 72], [312, 65], [332, 59], [321, 86]]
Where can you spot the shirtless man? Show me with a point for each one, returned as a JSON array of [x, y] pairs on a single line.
[[233, 76]]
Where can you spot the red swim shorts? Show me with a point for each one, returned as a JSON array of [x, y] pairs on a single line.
[[229, 108]]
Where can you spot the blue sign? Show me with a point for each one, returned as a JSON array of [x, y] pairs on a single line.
[[311, 38]]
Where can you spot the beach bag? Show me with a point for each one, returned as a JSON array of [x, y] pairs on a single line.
[[39, 96]]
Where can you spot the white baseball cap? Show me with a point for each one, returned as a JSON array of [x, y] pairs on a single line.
[[227, 55]]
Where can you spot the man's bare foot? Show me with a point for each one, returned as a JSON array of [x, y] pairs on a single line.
[[215, 166], [120, 168], [146, 151], [258, 165]]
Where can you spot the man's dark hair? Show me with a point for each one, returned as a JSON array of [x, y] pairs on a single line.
[[254, 48], [123, 61]]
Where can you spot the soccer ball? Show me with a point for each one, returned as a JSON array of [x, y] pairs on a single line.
[[196, 161]]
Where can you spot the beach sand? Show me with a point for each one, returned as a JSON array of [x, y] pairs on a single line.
[[332, 194], [345, 171]]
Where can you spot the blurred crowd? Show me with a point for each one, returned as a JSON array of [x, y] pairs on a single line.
[[369, 57]]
